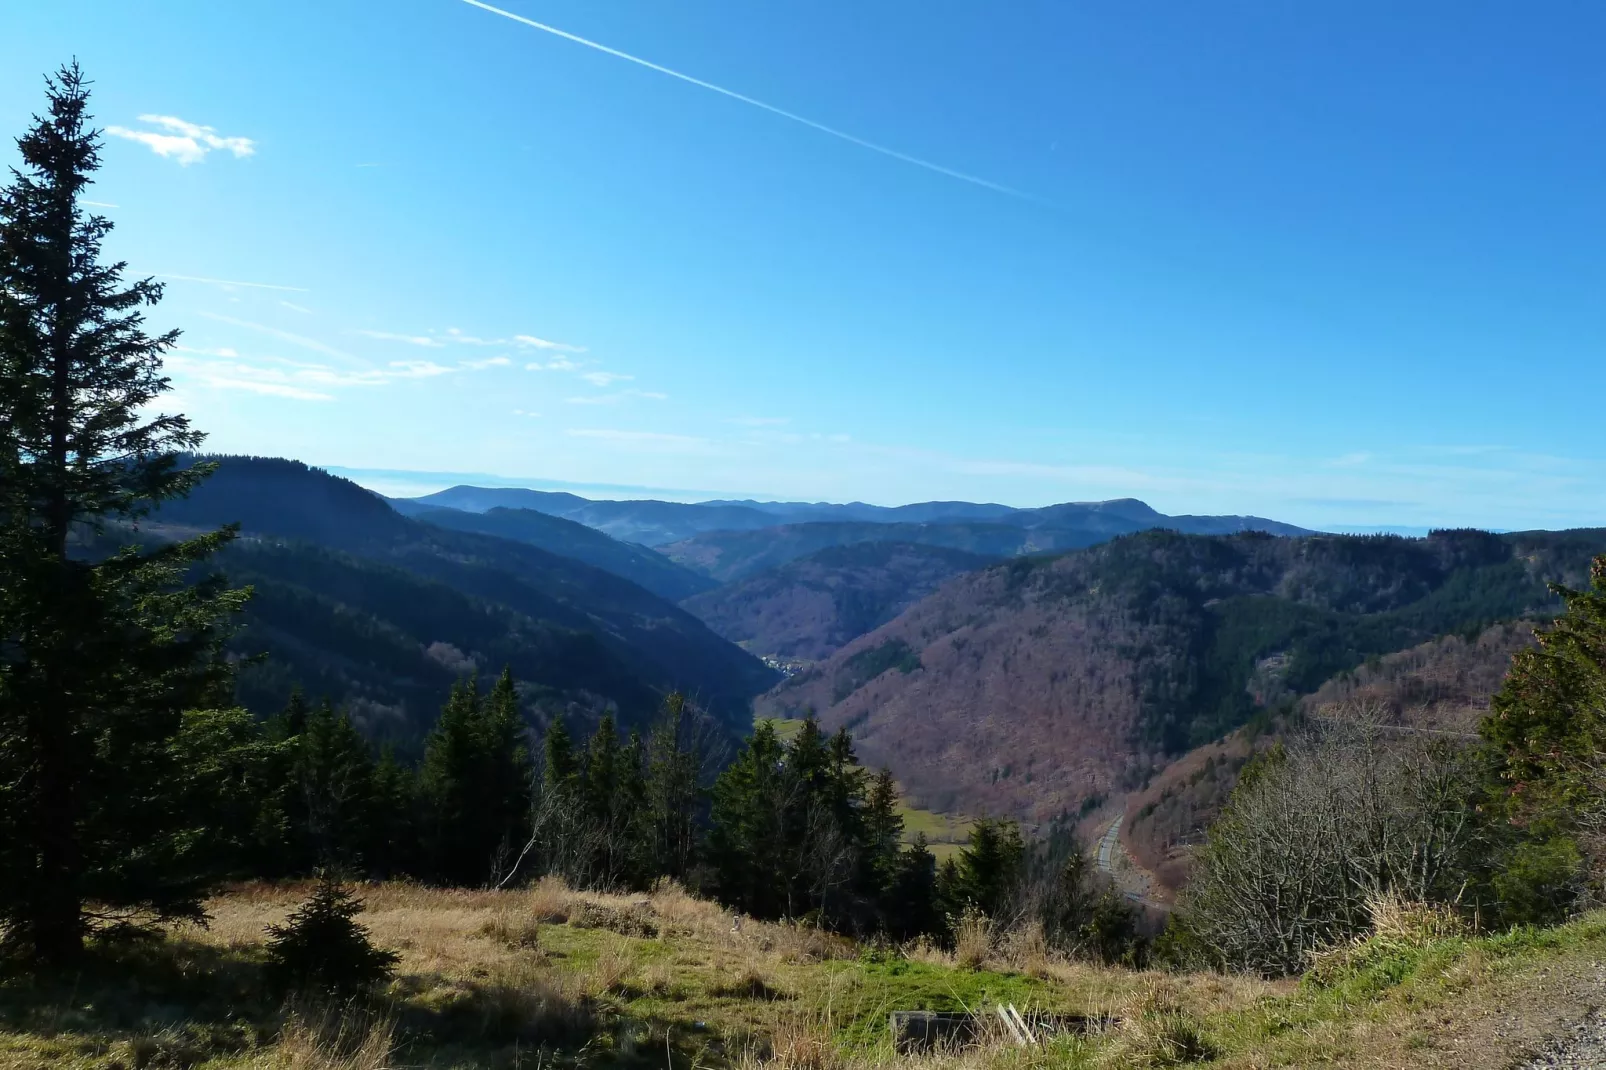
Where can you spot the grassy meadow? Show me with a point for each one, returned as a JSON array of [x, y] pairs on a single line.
[[549, 977]]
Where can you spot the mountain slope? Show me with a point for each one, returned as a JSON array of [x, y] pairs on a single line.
[[651, 523], [663, 643], [733, 555], [1441, 686], [644, 567], [728, 556], [1035, 684], [807, 608], [388, 644]]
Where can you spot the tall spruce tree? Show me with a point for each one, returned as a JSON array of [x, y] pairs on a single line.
[[475, 784], [509, 772], [332, 778], [100, 652], [673, 789]]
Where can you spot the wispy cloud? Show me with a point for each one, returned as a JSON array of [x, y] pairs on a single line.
[[559, 364], [410, 339], [418, 369], [605, 378], [293, 307], [532, 342], [101, 204], [220, 371], [231, 283], [489, 362], [772, 109], [759, 421], [182, 140], [284, 336]]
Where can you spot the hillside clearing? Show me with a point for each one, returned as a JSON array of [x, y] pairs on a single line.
[[548, 976]]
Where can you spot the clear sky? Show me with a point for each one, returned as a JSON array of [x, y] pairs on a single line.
[[1335, 263]]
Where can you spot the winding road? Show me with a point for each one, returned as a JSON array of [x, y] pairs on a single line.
[[1107, 846]]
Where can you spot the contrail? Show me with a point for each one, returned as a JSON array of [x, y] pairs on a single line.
[[231, 282], [772, 109]]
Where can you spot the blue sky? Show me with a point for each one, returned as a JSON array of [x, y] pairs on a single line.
[[1340, 264]]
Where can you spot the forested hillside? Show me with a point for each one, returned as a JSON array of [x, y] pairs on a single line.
[[1441, 687], [807, 608], [567, 538], [729, 555], [331, 558], [1039, 683]]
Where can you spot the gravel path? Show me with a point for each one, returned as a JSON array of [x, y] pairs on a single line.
[[1584, 1046]]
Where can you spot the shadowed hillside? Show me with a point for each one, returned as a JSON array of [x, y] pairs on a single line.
[[649, 642], [807, 608], [556, 535]]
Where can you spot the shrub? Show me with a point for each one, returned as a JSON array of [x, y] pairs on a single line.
[[322, 948], [1315, 830], [973, 938]]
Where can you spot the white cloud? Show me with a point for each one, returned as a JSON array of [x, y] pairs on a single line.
[[605, 378], [532, 342], [296, 308], [455, 335], [1350, 460], [410, 339], [490, 362], [101, 204], [531, 415], [181, 140], [417, 369], [561, 364]]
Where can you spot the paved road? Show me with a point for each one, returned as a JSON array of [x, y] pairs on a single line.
[[1108, 844]]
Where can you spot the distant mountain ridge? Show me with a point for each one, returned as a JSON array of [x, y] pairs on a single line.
[[658, 523], [558, 535], [346, 557]]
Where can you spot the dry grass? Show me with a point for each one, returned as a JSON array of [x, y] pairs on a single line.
[[339, 1042], [973, 939], [485, 976]]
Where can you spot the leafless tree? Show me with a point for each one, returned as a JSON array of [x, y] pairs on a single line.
[[1345, 813]]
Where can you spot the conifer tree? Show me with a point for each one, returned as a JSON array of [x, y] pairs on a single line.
[[912, 900], [100, 652], [748, 838], [475, 784], [509, 771], [447, 781], [882, 836], [332, 774], [672, 789], [989, 869], [393, 833]]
